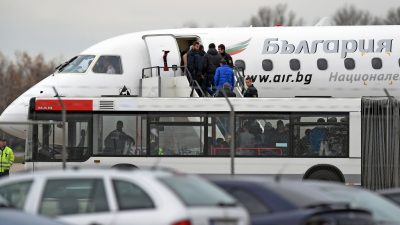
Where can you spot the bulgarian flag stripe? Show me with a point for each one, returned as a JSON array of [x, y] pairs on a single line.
[[237, 48]]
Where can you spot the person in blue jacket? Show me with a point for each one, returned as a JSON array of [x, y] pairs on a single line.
[[317, 136], [224, 74]]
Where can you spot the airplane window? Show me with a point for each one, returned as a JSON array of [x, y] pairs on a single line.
[[108, 64], [240, 64], [294, 64], [376, 63], [267, 64], [322, 64], [78, 64], [349, 63]]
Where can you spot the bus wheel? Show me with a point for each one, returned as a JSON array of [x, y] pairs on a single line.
[[325, 174], [124, 166]]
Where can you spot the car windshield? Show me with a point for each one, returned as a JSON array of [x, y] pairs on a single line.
[[299, 195], [194, 191], [78, 64], [382, 209]]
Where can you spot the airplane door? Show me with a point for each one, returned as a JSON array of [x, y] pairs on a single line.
[[163, 52]]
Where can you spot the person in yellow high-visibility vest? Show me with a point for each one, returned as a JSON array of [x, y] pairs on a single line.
[[6, 158], [160, 151]]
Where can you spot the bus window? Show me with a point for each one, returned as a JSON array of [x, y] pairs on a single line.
[[176, 135], [77, 140], [49, 141], [321, 135], [219, 135], [43, 151], [120, 135], [267, 135]]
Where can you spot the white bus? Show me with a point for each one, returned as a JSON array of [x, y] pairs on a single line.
[[316, 138]]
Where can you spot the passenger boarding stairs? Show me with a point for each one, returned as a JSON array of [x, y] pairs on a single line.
[[178, 84]]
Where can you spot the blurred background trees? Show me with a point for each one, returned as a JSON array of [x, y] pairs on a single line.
[[18, 75], [348, 15], [393, 17], [351, 16], [278, 15]]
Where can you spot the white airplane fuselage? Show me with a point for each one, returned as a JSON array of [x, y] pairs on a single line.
[[258, 48]]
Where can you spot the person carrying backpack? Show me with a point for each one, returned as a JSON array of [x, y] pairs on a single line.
[[211, 62]]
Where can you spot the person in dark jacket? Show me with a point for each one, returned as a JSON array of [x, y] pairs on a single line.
[[194, 61], [200, 74], [211, 62], [226, 56], [251, 91], [227, 90], [224, 74], [269, 135], [116, 141]]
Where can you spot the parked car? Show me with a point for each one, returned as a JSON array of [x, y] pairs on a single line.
[[383, 210], [271, 202], [393, 194], [122, 197], [17, 217]]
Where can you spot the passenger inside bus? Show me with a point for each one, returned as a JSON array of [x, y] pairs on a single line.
[[282, 136], [81, 142], [220, 147], [268, 136], [303, 147], [246, 141], [118, 142], [317, 136], [336, 137], [322, 139], [78, 152], [256, 130], [254, 139]]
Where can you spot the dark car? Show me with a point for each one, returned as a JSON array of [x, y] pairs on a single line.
[[383, 210], [271, 202], [16, 217], [392, 194]]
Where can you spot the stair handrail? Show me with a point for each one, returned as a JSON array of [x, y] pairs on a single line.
[[192, 82], [239, 84]]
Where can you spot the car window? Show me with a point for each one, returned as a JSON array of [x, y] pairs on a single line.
[[15, 194], [194, 191], [249, 201], [394, 197], [381, 208], [130, 196], [299, 195], [73, 196]]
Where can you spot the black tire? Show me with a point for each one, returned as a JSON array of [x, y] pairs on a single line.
[[324, 174], [124, 167]]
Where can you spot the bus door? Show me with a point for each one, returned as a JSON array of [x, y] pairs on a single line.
[[164, 53]]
